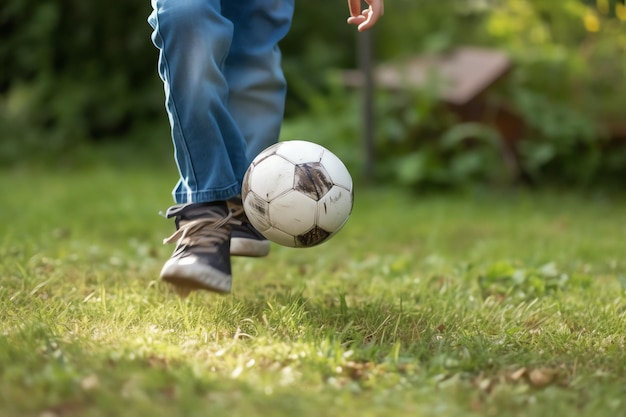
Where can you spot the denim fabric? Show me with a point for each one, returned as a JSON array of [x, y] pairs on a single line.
[[224, 87]]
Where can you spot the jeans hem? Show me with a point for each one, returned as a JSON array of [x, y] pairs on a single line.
[[206, 196]]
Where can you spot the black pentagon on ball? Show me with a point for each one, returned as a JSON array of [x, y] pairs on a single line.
[[312, 180], [313, 237]]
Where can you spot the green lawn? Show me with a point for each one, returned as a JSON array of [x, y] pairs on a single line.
[[485, 304]]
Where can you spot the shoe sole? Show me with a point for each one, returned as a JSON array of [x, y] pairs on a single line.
[[253, 248], [187, 278]]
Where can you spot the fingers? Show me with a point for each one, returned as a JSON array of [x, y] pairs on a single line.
[[368, 17], [358, 19], [354, 6]]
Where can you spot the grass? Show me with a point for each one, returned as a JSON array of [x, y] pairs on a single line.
[[476, 304]]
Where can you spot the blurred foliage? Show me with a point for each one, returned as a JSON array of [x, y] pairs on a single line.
[[503, 280], [566, 85], [74, 73]]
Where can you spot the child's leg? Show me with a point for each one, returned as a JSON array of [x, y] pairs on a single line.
[[194, 39], [253, 68]]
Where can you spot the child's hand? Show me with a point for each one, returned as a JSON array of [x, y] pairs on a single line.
[[367, 18]]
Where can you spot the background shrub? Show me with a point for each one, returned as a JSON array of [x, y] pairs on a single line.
[[75, 74]]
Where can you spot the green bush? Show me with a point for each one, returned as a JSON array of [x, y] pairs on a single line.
[[566, 85], [75, 73]]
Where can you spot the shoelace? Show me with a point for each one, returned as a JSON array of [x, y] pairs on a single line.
[[239, 214], [203, 234], [235, 206]]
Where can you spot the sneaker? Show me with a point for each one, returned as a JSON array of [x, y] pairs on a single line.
[[245, 240], [201, 259]]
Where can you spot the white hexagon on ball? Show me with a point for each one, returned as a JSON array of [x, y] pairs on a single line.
[[300, 151], [271, 177], [334, 209], [293, 213], [336, 169], [280, 237]]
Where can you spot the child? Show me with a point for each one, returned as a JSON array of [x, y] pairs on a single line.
[[225, 90]]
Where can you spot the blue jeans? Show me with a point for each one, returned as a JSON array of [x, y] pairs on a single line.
[[224, 87]]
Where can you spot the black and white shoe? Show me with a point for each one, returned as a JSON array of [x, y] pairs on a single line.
[[245, 240], [201, 259]]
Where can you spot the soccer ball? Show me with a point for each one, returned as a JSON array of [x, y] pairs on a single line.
[[297, 193]]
